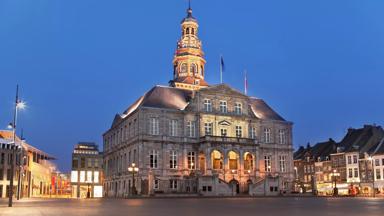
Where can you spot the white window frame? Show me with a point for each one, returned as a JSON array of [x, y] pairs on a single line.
[[283, 163], [153, 159], [267, 163], [267, 135], [154, 126], [253, 132], [173, 127], [282, 136], [223, 106], [238, 108], [207, 105], [208, 128], [191, 158], [173, 159], [191, 129], [173, 184], [156, 184], [239, 131]]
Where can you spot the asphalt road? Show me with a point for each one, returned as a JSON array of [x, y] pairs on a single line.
[[308, 206]]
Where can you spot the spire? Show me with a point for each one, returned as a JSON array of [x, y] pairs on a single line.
[[189, 11]]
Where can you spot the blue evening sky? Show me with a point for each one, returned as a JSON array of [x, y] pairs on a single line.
[[318, 63]]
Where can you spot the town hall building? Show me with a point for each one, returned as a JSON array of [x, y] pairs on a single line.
[[195, 138]]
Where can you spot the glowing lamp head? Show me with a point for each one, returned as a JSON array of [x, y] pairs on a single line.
[[21, 105], [130, 169]]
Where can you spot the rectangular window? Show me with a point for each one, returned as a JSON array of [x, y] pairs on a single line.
[[207, 105], [2, 158], [89, 176], [74, 176], [377, 162], [356, 172], [75, 163], [239, 131], [173, 160], [282, 137], [355, 159], [253, 133], [82, 165], [96, 177], [223, 132], [350, 174], [153, 158], [8, 174], [154, 126], [349, 159], [378, 174], [96, 163], [238, 108], [267, 135], [82, 176], [191, 160], [191, 129], [156, 184], [282, 160], [267, 163], [208, 128], [173, 184], [89, 160], [1, 175], [223, 107], [173, 127]]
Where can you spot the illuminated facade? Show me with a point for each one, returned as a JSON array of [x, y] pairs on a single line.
[[87, 171], [195, 138], [34, 166]]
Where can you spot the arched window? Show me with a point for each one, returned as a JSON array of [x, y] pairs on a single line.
[[201, 71], [193, 31], [217, 160], [248, 161], [183, 68], [193, 68], [187, 30], [232, 157]]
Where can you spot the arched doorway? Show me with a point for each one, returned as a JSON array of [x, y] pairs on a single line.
[[235, 186], [217, 160]]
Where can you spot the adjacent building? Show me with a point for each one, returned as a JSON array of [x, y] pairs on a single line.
[[352, 166], [87, 171], [194, 138], [33, 167]]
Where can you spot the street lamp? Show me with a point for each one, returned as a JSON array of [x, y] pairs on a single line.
[[19, 105], [133, 169], [334, 174]]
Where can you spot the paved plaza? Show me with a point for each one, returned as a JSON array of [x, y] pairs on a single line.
[[308, 206]]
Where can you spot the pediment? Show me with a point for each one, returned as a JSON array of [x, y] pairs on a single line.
[[225, 123], [223, 89]]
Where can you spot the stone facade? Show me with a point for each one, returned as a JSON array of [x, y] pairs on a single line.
[[192, 138]]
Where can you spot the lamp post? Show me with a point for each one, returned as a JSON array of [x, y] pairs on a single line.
[[133, 169], [18, 105], [334, 174]]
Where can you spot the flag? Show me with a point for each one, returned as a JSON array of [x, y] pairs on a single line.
[[245, 83], [222, 63]]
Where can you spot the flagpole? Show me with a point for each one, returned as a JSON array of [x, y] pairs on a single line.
[[245, 82], [221, 69]]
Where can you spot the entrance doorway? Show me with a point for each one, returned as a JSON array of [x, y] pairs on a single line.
[[234, 184]]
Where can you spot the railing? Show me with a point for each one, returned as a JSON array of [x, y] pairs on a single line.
[[228, 139]]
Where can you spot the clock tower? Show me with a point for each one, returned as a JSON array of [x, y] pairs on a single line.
[[188, 61]]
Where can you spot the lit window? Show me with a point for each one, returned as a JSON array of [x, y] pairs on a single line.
[[191, 160], [89, 176], [282, 162], [223, 106], [173, 160], [97, 191], [238, 109], [267, 163], [96, 177], [74, 176], [82, 176], [267, 135], [207, 105], [232, 157]]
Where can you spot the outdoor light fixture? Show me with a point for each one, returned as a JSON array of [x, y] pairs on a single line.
[[133, 169]]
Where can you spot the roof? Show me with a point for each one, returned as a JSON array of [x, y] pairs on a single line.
[[263, 111], [377, 149], [320, 150], [361, 139]]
